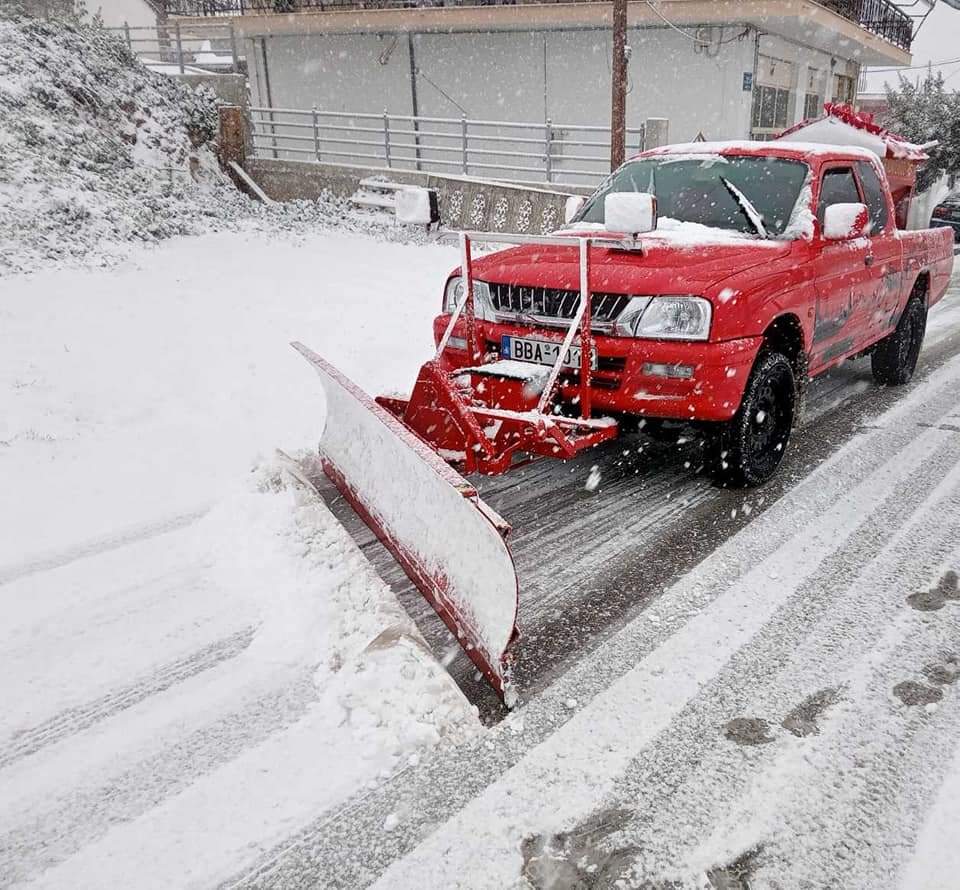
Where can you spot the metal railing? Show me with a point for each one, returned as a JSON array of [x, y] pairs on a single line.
[[199, 8], [210, 47], [547, 153], [880, 17]]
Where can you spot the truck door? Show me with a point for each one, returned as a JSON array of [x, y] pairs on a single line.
[[843, 275], [880, 311]]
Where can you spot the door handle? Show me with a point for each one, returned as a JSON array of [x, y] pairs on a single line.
[[868, 259]]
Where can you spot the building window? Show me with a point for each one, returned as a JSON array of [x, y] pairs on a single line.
[[771, 110], [843, 89], [812, 105]]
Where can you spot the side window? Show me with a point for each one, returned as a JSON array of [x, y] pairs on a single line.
[[873, 196], [838, 187]]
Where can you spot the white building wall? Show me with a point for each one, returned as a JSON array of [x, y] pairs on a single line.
[[115, 13], [533, 76], [525, 76]]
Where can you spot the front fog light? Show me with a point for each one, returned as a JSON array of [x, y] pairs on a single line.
[[677, 372]]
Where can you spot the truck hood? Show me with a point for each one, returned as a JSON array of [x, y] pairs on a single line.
[[670, 261]]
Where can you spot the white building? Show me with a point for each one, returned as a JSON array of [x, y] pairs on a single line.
[[134, 13], [714, 68]]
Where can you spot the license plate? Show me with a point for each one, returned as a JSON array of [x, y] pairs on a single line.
[[543, 352]]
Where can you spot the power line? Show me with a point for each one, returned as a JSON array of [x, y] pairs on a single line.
[[939, 64], [667, 21]]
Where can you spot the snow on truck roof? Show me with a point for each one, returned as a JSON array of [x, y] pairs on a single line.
[[775, 149], [840, 131], [843, 126]]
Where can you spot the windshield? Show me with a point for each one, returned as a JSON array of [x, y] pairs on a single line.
[[697, 189]]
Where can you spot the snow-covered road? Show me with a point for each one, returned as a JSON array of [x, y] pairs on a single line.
[[196, 660], [205, 684]]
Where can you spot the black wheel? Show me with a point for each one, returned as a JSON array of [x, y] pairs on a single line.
[[749, 446], [894, 358]]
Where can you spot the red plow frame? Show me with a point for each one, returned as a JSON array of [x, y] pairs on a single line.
[[484, 434]]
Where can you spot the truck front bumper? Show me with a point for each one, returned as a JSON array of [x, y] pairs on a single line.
[[672, 379]]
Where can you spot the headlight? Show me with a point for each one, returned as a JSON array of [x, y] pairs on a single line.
[[628, 320], [482, 305], [453, 294], [674, 318]]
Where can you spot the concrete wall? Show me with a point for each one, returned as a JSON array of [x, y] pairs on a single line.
[[464, 203], [230, 89]]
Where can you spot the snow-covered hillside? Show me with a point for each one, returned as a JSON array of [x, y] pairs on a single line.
[[95, 149], [99, 153]]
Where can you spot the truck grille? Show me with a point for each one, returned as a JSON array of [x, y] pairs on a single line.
[[552, 302]]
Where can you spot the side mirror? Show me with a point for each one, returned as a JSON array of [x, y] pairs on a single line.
[[841, 222], [573, 206], [417, 206], [630, 212]]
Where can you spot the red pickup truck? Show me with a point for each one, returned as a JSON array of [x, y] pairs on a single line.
[[764, 264]]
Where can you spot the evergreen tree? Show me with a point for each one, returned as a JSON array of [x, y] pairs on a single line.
[[922, 112]]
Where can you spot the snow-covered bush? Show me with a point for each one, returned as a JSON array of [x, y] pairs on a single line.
[[95, 150], [922, 112], [98, 152]]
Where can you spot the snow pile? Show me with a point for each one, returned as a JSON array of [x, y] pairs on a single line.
[[276, 546], [138, 411], [94, 147]]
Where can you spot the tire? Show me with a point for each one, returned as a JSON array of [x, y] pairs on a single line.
[[749, 447], [894, 358]]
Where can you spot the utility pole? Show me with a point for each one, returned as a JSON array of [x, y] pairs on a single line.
[[618, 83]]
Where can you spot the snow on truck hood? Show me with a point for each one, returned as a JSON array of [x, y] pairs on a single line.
[[678, 257]]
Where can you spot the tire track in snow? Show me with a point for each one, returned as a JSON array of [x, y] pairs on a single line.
[[75, 719], [101, 545], [685, 784], [579, 763], [51, 835], [335, 851], [936, 856]]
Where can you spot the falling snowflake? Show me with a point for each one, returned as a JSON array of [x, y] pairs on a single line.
[[593, 480]]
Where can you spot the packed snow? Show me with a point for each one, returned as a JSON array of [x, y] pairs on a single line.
[[190, 634], [187, 631]]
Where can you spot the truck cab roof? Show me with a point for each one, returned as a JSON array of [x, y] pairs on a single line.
[[801, 151]]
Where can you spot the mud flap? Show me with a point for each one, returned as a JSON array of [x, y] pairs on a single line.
[[448, 541]]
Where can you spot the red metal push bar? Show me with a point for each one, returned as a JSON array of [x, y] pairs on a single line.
[[485, 437]]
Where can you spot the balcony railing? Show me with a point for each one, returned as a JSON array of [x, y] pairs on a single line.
[[880, 17]]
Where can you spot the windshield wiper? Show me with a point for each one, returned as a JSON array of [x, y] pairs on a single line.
[[746, 205]]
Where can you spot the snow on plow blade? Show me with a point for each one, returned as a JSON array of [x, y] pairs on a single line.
[[448, 541]]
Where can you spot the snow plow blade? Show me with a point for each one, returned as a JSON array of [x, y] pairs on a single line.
[[449, 542]]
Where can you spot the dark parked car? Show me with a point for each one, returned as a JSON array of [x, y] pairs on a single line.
[[948, 214]]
